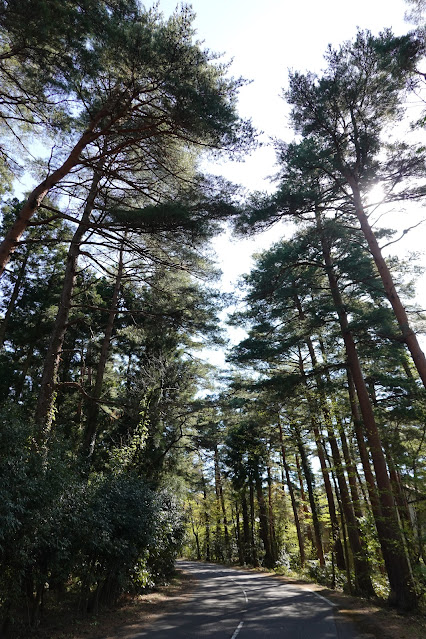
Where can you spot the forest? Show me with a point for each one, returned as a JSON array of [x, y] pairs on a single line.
[[122, 448]]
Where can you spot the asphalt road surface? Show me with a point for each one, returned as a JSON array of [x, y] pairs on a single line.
[[231, 604]]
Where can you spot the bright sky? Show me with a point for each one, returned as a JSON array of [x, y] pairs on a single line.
[[265, 39]]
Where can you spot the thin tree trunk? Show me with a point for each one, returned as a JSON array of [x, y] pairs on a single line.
[[254, 557], [292, 499], [309, 484], [268, 560], [218, 549], [403, 594], [363, 452], [337, 542], [408, 334], [238, 539], [206, 518], [351, 471], [305, 510], [195, 533], [218, 479], [363, 583], [340, 560], [350, 466], [272, 534], [93, 407], [36, 197], [246, 530], [342, 519], [45, 405], [402, 505]]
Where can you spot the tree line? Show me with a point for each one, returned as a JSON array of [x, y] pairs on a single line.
[[331, 367], [118, 449]]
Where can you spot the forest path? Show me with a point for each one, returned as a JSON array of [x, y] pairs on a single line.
[[228, 604]]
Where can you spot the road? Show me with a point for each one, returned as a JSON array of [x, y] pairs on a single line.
[[231, 604]]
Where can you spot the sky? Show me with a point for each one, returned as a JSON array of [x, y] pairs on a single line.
[[265, 40]]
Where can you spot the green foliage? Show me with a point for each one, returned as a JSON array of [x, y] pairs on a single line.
[[54, 525], [326, 576]]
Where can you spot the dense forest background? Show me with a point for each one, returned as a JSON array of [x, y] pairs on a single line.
[[120, 447]]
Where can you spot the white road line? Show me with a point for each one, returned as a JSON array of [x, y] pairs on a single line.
[[330, 603], [237, 631], [245, 594]]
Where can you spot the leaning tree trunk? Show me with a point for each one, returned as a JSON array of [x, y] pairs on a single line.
[[45, 405], [36, 197], [408, 334], [403, 594], [351, 471], [93, 407]]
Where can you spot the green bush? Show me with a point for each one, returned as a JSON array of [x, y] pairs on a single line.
[[99, 536]]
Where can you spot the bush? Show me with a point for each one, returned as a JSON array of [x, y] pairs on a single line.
[[324, 575], [36, 506], [168, 537], [58, 529]]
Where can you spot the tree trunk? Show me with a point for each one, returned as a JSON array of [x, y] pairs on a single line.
[[36, 197], [309, 484], [195, 533], [350, 466], [337, 542], [292, 499], [219, 488], [93, 407], [272, 534], [254, 558], [403, 593], [45, 405], [364, 456], [408, 334], [246, 530], [340, 559], [402, 505], [268, 560], [351, 471], [363, 583], [206, 518], [238, 536]]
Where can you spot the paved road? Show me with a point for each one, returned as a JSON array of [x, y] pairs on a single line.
[[231, 604]]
